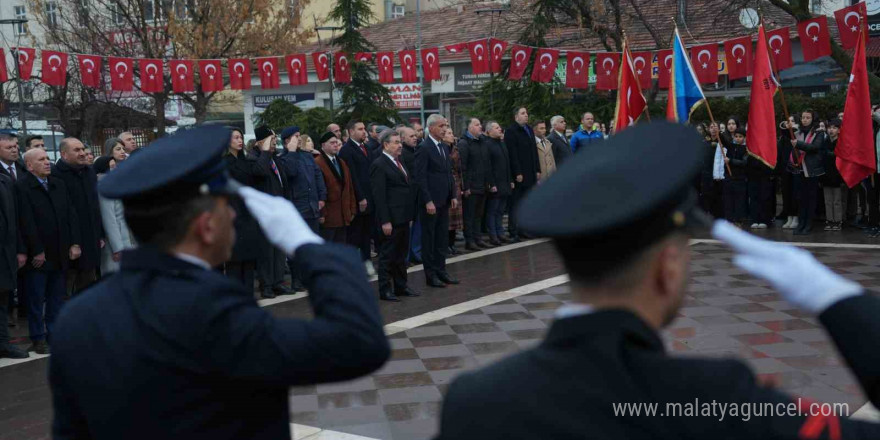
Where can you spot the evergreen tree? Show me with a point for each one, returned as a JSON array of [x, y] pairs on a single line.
[[363, 98]]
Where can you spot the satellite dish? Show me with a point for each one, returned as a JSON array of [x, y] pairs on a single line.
[[748, 17]]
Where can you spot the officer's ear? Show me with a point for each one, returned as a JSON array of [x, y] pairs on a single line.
[[672, 263]]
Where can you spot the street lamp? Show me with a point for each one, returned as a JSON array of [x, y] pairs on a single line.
[[332, 29], [13, 22]]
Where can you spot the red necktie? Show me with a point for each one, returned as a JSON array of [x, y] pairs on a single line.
[[401, 169], [364, 149]]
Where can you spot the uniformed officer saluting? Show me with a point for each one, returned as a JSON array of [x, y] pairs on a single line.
[[621, 221], [169, 349]]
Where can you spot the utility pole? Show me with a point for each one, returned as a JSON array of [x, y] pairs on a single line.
[[332, 29]]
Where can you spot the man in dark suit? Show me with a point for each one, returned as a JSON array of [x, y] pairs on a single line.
[[216, 364], [9, 263], [10, 165], [393, 194], [49, 225], [520, 141], [433, 174], [81, 182], [372, 142], [273, 181], [357, 156], [410, 140], [475, 171], [629, 269], [560, 145]]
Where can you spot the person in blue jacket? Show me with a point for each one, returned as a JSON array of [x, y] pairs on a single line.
[[167, 348], [587, 134], [307, 190]]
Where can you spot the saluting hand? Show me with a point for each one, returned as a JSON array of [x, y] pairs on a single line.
[[280, 221]]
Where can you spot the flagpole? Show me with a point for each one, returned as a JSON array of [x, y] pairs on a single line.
[[708, 107], [797, 157]]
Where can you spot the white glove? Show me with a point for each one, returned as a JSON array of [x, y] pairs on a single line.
[[802, 281], [279, 219]]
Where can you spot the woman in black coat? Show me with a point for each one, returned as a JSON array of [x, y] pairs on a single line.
[[500, 182], [248, 236], [807, 164]]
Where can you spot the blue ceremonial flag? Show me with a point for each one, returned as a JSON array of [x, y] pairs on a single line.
[[685, 94]]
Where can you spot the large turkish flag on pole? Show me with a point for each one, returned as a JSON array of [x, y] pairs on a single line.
[[855, 146]]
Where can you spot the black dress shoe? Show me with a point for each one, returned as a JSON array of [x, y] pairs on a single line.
[[453, 250], [281, 290], [388, 296], [298, 286], [495, 241], [13, 352], [446, 278], [39, 347], [433, 281], [482, 244], [415, 260], [408, 292], [267, 294], [469, 246]]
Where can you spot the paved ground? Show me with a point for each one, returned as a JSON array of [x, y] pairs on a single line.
[[727, 313]]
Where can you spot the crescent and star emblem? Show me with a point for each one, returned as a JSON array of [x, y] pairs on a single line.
[[549, 59], [478, 50], [733, 52], [574, 62], [236, 66], [516, 57], [54, 67], [608, 69], [636, 64], [269, 65], [408, 63], [815, 38], [776, 50], [852, 14], [89, 62], [124, 67], [705, 64]]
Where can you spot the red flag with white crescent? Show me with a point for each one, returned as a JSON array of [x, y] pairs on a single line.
[[431, 64], [121, 75], [25, 58], [456, 48], [704, 59], [239, 73], [268, 68], [385, 67], [182, 76], [54, 69], [363, 57], [630, 100], [519, 60], [738, 53], [607, 68], [849, 20], [90, 70], [322, 65], [296, 69], [641, 63], [480, 56], [855, 147], [664, 67], [545, 65], [815, 39], [577, 70], [779, 45], [210, 75], [496, 50], [408, 65], [341, 68], [152, 75]]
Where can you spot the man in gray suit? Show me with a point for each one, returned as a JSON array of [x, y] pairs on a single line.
[[558, 141]]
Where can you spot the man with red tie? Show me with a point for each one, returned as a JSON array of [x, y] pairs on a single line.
[[271, 180], [357, 156], [393, 196]]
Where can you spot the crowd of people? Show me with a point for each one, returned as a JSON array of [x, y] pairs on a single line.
[[400, 195]]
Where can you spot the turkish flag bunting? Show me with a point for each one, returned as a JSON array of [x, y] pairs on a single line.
[[664, 68], [296, 69], [4, 75], [430, 64], [705, 61], [545, 65], [152, 76], [739, 57], [54, 68], [385, 66], [497, 50], [479, 56], [456, 48], [25, 61], [519, 60], [641, 62], [182, 76], [408, 65], [341, 68], [322, 65], [210, 75], [815, 40], [90, 70], [607, 66], [779, 45], [268, 68], [239, 73], [577, 70], [761, 136], [630, 101], [848, 22], [855, 146], [363, 57], [121, 73]]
